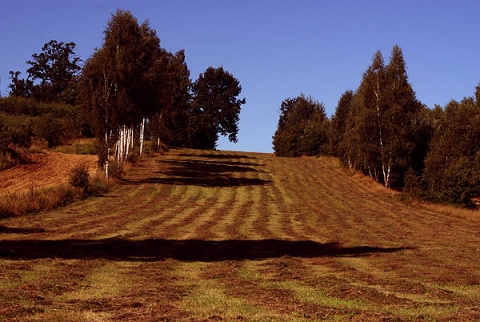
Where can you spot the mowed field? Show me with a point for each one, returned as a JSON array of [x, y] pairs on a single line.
[[208, 236]]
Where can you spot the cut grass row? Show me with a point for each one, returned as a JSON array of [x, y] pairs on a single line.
[[198, 236]]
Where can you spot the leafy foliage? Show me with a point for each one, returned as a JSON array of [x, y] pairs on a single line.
[[302, 128], [384, 131], [27, 119], [215, 108], [170, 124], [374, 125], [120, 82], [52, 76], [452, 165], [79, 177]]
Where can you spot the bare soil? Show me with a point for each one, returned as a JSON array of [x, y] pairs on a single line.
[[208, 236]]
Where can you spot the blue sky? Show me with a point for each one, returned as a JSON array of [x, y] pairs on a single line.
[[277, 49]]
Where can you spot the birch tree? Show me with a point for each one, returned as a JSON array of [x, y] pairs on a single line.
[[383, 109], [121, 85]]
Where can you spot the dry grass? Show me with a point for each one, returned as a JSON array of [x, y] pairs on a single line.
[[200, 236], [46, 169]]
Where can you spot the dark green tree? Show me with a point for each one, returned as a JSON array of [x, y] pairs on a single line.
[[20, 87], [215, 108], [53, 75], [339, 126], [365, 132], [379, 137], [452, 165], [170, 125], [302, 128]]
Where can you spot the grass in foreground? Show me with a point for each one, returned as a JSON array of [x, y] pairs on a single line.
[[198, 236]]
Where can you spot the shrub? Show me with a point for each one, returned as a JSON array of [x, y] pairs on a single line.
[[115, 170], [80, 178], [99, 186]]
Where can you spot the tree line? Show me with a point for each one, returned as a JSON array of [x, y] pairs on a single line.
[[131, 89], [384, 131]]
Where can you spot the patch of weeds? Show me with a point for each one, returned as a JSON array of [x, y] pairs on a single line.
[[116, 170], [99, 186], [89, 148]]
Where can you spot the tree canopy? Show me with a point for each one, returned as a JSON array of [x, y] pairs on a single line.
[[302, 128], [52, 76], [120, 81], [374, 124], [215, 108]]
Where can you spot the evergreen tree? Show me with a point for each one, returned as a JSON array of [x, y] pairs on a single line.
[[339, 126]]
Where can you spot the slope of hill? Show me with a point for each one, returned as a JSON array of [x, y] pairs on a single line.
[[46, 169], [197, 236]]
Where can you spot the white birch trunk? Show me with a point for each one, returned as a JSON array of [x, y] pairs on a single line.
[[108, 154], [142, 134], [127, 144], [385, 172]]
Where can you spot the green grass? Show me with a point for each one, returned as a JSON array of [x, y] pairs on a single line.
[[207, 235]]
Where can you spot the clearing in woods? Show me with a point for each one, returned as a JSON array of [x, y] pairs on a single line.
[[197, 236]]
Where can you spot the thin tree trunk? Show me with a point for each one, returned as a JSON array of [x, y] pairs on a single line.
[[142, 134], [385, 172], [108, 153]]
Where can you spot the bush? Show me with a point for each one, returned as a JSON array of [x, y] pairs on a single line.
[[115, 170], [80, 178], [99, 186]]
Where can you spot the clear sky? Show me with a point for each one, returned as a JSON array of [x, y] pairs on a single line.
[[277, 49]]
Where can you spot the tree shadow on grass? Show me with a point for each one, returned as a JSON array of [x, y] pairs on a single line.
[[15, 230], [210, 181], [204, 173], [188, 167], [216, 156], [183, 250]]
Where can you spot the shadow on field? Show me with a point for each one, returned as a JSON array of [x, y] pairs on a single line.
[[183, 250], [216, 156], [204, 173], [15, 230]]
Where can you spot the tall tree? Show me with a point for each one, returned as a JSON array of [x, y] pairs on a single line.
[[385, 108], [339, 125], [56, 69], [366, 133], [302, 128], [215, 108], [452, 166], [402, 111], [171, 125], [121, 84]]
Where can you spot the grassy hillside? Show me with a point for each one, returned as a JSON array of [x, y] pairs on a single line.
[[200, 236]]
